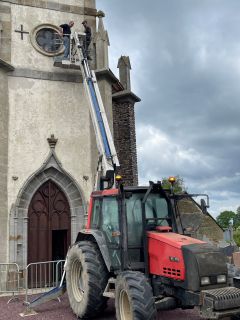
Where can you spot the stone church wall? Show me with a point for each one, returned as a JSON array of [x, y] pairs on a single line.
[[3, 162], [23, 54], [46, 100], [5, 32], [106, 88], [39, 108], [73, 6]]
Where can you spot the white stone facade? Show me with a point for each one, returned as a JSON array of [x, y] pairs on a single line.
[[38, 100]]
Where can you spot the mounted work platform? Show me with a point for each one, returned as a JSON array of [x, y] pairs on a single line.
[[66, 64], [74, 58]]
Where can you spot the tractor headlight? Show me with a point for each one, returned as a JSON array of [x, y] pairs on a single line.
[[221, 278], [205, 281]]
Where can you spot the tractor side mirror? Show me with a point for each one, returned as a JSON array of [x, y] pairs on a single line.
[[204, 206]]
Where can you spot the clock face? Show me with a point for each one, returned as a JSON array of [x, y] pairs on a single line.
[[45, 39]]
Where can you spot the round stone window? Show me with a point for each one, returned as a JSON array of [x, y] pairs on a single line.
[[46, 40]]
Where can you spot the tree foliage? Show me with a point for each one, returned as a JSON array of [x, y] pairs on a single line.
[[237, 218], [178, 185], [236, 237], [226, 218]]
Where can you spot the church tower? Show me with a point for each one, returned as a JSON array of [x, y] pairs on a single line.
[[48, 154]]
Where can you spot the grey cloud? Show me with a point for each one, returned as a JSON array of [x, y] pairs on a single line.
[[186, 68]]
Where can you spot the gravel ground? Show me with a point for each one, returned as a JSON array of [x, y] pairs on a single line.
[[54, 310]]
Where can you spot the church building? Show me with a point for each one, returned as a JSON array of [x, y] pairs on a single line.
[[48, 153]]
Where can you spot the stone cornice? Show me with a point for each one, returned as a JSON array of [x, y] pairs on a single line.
[[50, 5], [45, 75], [107, 74], [6, 66], [125, 96]]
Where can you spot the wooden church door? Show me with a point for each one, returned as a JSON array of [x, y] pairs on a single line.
[[49, 225]]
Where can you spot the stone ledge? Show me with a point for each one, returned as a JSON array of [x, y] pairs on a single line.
[[50, 5], [5, 9], [106, 74], [6, 66], [45, 75], [125, 95]]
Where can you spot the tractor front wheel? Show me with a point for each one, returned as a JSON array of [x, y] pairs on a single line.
[[134, 298], [86, 277]]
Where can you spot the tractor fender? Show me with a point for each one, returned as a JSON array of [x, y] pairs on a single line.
[[97, 237]]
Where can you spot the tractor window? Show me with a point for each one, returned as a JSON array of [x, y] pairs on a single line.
[[110, 228], [134, 219], [110, 221], [156, 207], [96, 214]]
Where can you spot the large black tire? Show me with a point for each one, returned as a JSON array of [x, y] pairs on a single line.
[[237, 317], [86, 277], [134, 297]]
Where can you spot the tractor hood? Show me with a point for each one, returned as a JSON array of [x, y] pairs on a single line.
[[166, 255], [173, 239], [185, 259]]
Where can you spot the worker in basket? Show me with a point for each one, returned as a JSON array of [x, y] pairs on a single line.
[[65, 32], [88, 39]]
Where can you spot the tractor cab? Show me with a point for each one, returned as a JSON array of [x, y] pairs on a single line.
[[124, 216]]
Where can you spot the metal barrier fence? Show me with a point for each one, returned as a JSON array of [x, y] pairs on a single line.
[[9, 279], [42, 276], [34, 279]]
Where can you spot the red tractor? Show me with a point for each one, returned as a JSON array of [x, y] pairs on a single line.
[[132, 250]]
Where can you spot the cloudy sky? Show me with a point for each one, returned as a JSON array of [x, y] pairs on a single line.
[[185, 57]]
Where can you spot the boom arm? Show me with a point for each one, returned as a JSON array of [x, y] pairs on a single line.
[[108, 159]]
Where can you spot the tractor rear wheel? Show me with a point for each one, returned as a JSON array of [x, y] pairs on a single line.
[[86, 277], [134, 298]]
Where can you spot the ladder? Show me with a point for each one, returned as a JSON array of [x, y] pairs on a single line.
[[108, 159]]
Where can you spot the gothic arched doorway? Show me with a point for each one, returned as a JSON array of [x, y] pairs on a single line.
[[49, 225]]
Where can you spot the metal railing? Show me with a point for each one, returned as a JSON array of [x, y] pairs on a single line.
[[36, 278], [9, 279], [59, 271], [42, 276]]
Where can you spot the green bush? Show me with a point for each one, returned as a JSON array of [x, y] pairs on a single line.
[[236, 237]]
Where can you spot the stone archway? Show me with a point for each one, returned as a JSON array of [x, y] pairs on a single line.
[[18, 228]]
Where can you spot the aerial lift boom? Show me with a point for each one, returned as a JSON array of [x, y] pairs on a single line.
[[108, 159]]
